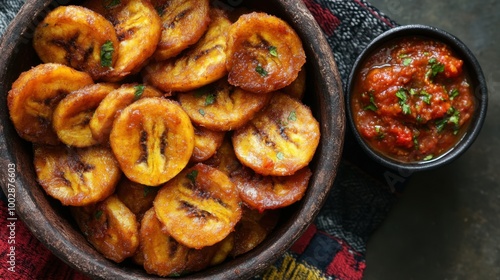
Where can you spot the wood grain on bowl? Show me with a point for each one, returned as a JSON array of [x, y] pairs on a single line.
[[54, 228]]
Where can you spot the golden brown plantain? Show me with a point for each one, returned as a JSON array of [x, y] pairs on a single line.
[[153, 140], [206, 143], [36, 93], [76, 176], [163, 255], [252, 229], [199, 207], [221, 106], [73, 113], [183, 24], [137, 197], [101, 122], [297, 88], [280, 140], [138, 28], [77, 37], [225, 159], [201, 64], [270, 192], [110, 227], [264, 53]]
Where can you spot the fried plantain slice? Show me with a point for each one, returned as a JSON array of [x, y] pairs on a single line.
[[297, 88], [199, 207], [101, 122], [35, 94], [110, 227], [200, 65], [280, 140], [224, 248], [137, 197], [73, 113], [76, 176], [252, 229], [270, 192], [183, 24], [264, 53], [225, 159], [221, 106], [206, 143], [162, 254], [153, 140], [77, 37], [138, 28]]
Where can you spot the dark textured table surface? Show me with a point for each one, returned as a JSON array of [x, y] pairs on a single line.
[[447, 223]]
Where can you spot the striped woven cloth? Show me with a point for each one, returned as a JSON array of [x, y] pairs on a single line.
[[334, 246]]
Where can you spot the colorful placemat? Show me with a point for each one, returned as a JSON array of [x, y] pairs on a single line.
[[363, 193]]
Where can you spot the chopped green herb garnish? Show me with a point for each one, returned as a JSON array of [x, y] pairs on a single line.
[[109, 4], [192, 176], [98, 214], [440, 124], [426, 97], [453, 117], [407, 61], [210, 99], [107, 50], [280, 156], [273, 51], [454, 93], [429, 157], [435, 68], [202, 112], [403, 101], [259, 69], [292, 116], [415, 142], [139, 90], [372, 106], [380, 133]]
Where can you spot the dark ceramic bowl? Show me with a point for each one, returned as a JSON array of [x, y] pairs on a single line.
[[49, 221], [477, 81]]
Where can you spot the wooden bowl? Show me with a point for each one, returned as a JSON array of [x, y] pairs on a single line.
[[49, 221]]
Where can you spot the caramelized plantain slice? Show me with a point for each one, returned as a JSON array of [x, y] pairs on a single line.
[[153, 140], [138, 28], [280, 140], [270, 192], [137, 197], [162, 254], [76, 176], [297, 88], [183, 24], [110, 227], [224, 248], [73, 113], [199, 207], [252, 229], [200, 65], [221, 106], [34, 96], [102, 120], [264, 53], [206, 143], [77, 37]]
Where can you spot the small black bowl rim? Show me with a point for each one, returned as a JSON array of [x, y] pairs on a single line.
[[477, 79]]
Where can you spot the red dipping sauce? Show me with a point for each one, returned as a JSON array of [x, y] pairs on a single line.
[[412, 100]]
